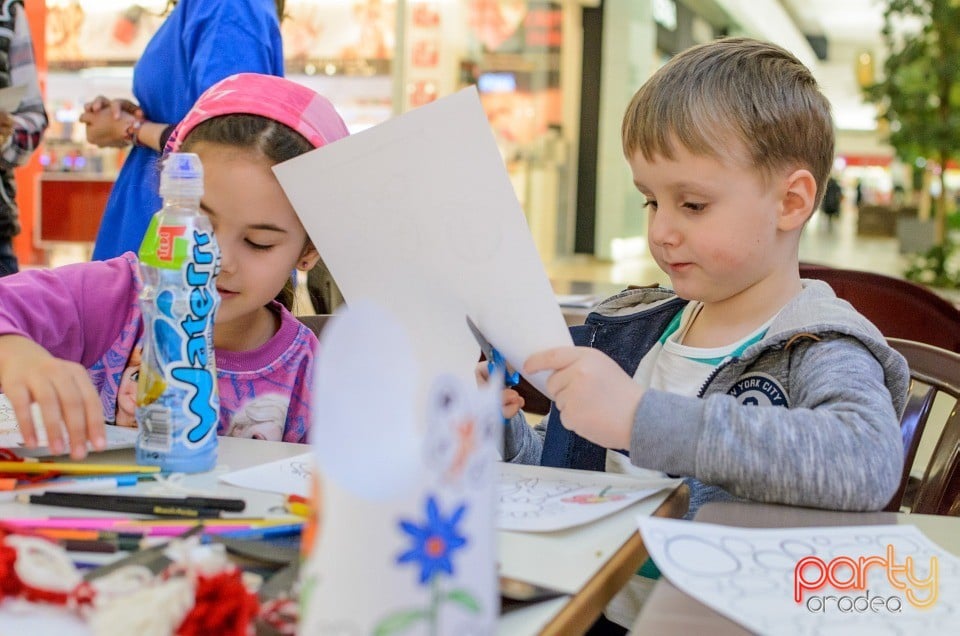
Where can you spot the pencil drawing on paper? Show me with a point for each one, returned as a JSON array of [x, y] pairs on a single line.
[[301, 468], [541, 504], [290, 476]]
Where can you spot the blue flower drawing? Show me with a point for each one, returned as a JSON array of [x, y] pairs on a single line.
[[434, 542]]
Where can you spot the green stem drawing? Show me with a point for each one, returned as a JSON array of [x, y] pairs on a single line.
[[434, 605]]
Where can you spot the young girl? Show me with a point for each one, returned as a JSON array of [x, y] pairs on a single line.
[[70, 337]]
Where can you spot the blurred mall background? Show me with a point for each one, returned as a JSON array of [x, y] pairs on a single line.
[[554, 77]]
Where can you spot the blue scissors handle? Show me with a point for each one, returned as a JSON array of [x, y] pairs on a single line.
[[497, 364]]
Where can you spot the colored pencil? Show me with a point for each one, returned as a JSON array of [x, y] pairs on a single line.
[[67, 500], [73, 468], [98, 545], [213, 503], [255, 534], [112, 523], [81, 485], [148, 528], [86, 535]]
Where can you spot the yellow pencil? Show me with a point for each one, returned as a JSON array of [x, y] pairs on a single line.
[[223, 521], [74, 468]]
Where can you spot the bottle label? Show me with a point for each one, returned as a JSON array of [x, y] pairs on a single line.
[[165, 246], [156, 430], [197, 375], [178, 402]]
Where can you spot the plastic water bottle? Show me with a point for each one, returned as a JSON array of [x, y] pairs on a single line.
[[178, 405]]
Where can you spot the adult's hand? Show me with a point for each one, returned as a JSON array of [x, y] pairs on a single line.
[[115, 106], [105, 130], [6, 127]]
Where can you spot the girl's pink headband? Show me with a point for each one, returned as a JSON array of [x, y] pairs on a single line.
[[287, 102]]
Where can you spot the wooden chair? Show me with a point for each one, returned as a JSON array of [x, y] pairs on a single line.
[[933, 371], [899, 308]]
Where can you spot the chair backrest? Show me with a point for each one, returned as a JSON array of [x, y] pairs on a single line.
[[899, 308], [315, 321], [933, 371]]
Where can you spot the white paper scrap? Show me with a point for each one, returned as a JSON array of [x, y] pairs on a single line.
[[289, 476]]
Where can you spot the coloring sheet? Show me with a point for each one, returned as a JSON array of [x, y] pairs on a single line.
[[10, 437], [883, 579], [290, 476], [419, 213], [541, 499], [530, 498]]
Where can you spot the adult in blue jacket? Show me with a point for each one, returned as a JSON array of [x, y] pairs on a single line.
[[199, 43]]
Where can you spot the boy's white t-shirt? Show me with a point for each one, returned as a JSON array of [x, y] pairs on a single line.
[[672, 366], [669, 366]]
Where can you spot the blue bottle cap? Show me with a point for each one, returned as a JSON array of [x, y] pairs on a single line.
[[182, 176]]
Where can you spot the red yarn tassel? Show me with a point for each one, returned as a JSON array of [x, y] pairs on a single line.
[[223, 606], [10, 583]]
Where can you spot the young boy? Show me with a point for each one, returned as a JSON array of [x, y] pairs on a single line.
[[746, 379]]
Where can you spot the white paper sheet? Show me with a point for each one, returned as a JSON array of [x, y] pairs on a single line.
[[539, 499], [407, 543], [365, 403], [11, 96], [748, 575], [290, 476], [419, 214], [10, 437]]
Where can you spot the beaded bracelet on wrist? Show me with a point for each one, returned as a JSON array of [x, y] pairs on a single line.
[[133, 132]]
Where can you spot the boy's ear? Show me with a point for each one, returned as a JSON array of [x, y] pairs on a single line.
[[308, 258], [799, 197]]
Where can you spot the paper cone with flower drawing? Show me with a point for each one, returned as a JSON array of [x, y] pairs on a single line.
[[405, 543]]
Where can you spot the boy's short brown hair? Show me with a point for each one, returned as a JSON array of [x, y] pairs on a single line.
[[734, 92]]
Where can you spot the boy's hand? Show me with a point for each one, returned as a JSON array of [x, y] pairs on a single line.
[[62, 390], [595, 397], [512, 401]]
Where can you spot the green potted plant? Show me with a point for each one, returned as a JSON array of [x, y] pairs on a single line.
[[919, 93]]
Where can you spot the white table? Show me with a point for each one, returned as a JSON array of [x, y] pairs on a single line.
[[589, 563]]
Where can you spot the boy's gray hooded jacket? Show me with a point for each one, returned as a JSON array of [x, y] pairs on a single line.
[[808, 416]]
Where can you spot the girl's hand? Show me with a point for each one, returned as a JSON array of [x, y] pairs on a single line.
[[61, 389], [596, 399]]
